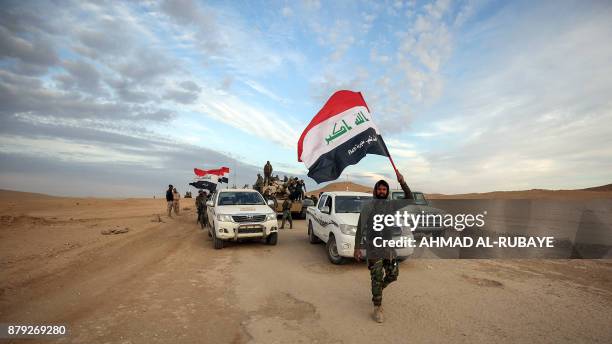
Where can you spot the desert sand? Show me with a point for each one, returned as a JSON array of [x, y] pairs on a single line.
[[598, 192], [162, 282]]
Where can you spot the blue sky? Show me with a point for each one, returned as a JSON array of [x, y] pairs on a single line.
[[470, 96]]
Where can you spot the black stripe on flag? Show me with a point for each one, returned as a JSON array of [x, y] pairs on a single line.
[[202, 184], [330, 165]]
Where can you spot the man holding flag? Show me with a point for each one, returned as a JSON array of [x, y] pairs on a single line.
[[383, 269], [341, 134]]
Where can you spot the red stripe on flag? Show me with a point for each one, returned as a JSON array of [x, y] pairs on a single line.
[[337, 103], [218, 172]]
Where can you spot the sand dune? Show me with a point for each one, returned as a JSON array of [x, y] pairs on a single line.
[[600, 192]]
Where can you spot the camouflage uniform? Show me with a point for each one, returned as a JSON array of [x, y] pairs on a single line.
[[267, 173], [200, 203], [176, 201], [287, 214], [383, 271]]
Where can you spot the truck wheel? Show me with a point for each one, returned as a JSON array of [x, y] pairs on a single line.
[[272, 239], [332, 251], [311, 237], [217, 243]]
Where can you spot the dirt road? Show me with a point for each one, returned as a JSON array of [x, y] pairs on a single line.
[[162, 282]]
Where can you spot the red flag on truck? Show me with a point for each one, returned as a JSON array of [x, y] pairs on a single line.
[[341, 134]]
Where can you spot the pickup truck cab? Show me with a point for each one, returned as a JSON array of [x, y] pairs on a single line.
[[236, 214], [334, 221], [419, 197], [422, 205]]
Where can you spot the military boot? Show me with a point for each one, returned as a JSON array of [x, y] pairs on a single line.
[[378, 314]]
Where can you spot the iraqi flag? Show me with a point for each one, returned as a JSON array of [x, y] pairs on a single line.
[[341, 134]]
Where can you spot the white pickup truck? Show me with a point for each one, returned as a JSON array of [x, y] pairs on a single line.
[[236, 214], [334, 221]]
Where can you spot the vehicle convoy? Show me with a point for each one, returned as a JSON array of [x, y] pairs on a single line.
[[278, 192], [236, 214], [334, 222], [422, 206]]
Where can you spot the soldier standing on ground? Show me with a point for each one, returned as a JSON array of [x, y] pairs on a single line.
[[287, 214], [200, 203], [176, 196], [382, 271], [170, 199], [267, 173]]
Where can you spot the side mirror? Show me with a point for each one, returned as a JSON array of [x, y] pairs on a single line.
[[325, 210], [270, 203], [210, 204]]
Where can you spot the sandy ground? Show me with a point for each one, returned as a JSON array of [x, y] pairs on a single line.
[[162, 282]]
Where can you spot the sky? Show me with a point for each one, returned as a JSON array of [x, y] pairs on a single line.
[[123, 98]]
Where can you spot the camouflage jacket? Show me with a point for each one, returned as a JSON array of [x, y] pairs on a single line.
[[363, 229], [200, 201]]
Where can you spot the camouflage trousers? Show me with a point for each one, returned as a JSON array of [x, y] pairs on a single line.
[[382, 273], [287, 216]]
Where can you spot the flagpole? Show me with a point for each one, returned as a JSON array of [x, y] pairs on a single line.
[[393, 164]]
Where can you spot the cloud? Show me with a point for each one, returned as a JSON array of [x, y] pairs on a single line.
[[186, 93], [525, 121], [265, 91], [468, 100], [251, 120], [81, 76]]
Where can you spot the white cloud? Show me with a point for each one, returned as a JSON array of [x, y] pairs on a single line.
[[251, 120]]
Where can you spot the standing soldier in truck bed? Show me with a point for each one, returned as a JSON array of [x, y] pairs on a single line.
[[267, 173]]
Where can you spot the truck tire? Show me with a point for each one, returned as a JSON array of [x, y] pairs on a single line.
[[332, 251], [217, 243], [312, 238], [272, 239]]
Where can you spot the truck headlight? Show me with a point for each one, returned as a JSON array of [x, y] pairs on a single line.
[[271, 217], [224, 218], [348, 229]]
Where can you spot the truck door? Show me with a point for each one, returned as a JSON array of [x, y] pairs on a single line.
[[211, 210], [325, 212], [316, 225]]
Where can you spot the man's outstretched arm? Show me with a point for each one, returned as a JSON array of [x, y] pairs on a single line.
[[402, 182]]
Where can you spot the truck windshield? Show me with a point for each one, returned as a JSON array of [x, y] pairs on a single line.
[[351, 204], [240, 198], [419, 197]]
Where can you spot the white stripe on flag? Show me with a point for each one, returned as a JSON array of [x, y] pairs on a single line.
[[317, 141]]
